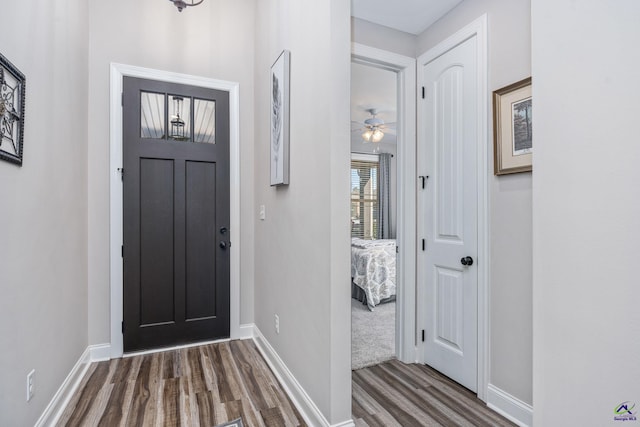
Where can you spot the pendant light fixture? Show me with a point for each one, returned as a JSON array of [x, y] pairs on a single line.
[[177, 124], [181, 4]]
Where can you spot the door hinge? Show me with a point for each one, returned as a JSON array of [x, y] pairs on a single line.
[[423, 244], [123, 329], [423, 92], [397, 250], [121, 170], [122, 251], [424, 179], [122, 99], [423, 335]]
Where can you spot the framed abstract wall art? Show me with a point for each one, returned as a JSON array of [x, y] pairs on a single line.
[[12, 86], [512, 119], [279, 141]]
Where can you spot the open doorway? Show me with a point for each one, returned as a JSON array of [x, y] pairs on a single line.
[[403, 68], [403, 72], [374, 219]]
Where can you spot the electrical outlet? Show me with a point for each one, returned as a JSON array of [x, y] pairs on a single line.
[[31, 384], [277, 324]]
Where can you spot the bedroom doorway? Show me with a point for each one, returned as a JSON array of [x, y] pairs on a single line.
[[382, 206], [373, 193]]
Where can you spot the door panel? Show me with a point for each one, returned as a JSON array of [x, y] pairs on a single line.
[[449, 310], [448, 217], [201, 239], [176, 201], [156, 241], [447, 89]]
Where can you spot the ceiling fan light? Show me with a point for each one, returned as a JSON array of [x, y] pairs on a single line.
[[367, 135], [377, 135], [374, 121]]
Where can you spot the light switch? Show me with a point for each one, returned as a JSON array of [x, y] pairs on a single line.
[[263, 213]]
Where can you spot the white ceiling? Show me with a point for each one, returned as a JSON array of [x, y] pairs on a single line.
[[410, 16]]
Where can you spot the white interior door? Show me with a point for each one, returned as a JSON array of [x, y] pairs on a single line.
[[448, 212]]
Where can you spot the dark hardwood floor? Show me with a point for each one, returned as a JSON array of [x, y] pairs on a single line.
[[197, 386], [216, 383], [395, 394]]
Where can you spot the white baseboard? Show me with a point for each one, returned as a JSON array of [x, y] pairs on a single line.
[[291, 386], [59, 402], [509, 407], [246, 331], [100, 352]]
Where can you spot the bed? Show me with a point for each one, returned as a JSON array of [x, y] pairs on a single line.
[[373, 271]]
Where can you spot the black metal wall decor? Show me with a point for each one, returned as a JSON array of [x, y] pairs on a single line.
[[12, 86]]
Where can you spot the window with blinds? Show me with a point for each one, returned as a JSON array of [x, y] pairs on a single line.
[[364, 199]]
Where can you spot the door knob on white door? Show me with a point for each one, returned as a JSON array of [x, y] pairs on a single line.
[[466, 261]]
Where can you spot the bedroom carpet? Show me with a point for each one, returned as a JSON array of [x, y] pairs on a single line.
[[372, 334]]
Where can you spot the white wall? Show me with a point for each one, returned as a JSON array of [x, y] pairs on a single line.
[[510, 202], [43, 207], [302, 248], [585, 61], [382, 37], [215, 40]]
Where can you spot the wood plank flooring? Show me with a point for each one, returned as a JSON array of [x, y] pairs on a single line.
[[198, 386], [212, 384], [395, 394]]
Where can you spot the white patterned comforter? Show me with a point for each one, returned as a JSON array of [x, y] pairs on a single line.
[[373, 268]]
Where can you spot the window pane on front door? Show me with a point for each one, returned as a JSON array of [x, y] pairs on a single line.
[[204, 119], [179, 118], [152, 115]]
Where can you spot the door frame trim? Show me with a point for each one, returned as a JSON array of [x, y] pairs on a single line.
[[477, 28], [405, 68], [118, 72]]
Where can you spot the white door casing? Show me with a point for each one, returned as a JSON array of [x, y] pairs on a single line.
[[452, 152], [405, 68]]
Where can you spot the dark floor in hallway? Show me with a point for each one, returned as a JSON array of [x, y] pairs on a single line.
[[198, 386], [396, 394]]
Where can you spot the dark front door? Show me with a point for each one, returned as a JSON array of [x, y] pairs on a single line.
[[176, 214]]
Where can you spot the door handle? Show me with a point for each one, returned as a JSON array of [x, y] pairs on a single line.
[[466, 261], [223, 245], [223, 230]]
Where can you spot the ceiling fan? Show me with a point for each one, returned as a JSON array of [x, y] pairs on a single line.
[[374, 128]]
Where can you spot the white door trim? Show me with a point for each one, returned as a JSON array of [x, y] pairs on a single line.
[[477, 28], [118, 71], [405, 67]]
